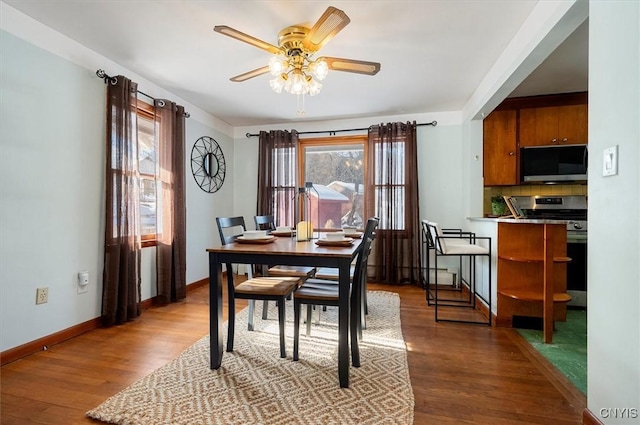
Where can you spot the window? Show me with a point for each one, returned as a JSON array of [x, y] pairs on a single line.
[[147, 164], [337, 169], [389, 186]]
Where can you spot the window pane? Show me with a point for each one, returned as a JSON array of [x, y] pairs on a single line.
[[386, 155], [147, 206], [284, 169], [393, 196], [337, 174], [147, 166]]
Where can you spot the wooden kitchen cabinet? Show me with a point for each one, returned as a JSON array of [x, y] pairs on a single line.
[[500, 152], [554, 125]]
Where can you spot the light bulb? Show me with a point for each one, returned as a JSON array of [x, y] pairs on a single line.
[[278, 83], [319, 69], [314, 87], [277, 65], [298, 84]]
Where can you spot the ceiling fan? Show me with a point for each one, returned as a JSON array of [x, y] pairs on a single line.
[[292, 63]]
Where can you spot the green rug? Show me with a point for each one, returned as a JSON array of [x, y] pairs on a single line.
[[568, 352]]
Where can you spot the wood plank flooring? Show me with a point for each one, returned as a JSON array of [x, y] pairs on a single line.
[[460, 374]]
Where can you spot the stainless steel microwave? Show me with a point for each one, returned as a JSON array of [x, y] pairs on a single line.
[[549, 164]]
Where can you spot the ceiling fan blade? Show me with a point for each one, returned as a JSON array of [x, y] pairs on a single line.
[[330, 23], [247, 75], [351, 65], [228, 31]]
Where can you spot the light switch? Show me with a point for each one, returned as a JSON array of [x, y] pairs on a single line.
[[610, 161]]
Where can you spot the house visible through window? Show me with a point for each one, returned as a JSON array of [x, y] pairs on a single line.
[[337, 169], [147, 150]]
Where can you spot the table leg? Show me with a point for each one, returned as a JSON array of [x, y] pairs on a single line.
[[343, 324], [215, 311]]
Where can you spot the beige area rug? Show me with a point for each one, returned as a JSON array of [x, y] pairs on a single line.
[[255, 386]]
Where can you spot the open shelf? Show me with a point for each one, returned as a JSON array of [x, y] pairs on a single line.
[[526, 295]]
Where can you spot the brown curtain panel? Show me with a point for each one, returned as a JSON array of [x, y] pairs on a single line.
[[277, 169], [392, 192], [121, 274], [170, 203]]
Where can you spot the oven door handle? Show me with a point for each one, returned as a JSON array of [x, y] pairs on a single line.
[[577, 237]]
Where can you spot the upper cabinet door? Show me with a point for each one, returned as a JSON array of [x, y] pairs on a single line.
[[528, 130], [573, 125], [553, 125], [500, 154]]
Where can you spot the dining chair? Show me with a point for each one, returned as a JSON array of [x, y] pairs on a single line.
[[255, 288], [267, 223], [329, 276], [329, 295], [332, 284]]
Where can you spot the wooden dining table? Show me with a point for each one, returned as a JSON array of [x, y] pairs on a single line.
[[283, 251]]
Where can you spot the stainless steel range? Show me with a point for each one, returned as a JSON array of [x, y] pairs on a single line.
[[573, 209]]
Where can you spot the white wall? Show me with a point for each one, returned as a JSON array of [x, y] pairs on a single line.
[[52, 189], [246, 178], [614, 210], [203, 207]]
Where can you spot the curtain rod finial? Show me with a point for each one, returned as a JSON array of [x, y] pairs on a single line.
[[107, 79]]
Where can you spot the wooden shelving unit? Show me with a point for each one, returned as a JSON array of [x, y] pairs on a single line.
[[532, 273]]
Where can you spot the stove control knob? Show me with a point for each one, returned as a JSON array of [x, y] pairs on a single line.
[[577, 226]]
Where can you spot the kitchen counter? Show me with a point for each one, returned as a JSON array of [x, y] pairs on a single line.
[[518, 220]]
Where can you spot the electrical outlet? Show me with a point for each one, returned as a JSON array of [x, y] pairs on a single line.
[[42, 295]]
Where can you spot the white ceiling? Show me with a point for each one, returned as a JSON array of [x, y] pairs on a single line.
[[433, 53]]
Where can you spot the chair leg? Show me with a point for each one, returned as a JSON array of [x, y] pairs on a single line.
[[296, 327], [364, 297], [355, 348], [265, 309], [281, 321], [231, 324], [252, 307], [364, 310], [309, 308], [355, 327], [362, 323]]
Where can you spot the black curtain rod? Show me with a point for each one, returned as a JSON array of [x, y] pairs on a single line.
[[333, 132], [113, 80]]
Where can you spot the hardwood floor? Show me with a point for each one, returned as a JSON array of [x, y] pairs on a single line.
[[460, 374]]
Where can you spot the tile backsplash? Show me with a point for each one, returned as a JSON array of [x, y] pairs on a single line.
[[531, 190]]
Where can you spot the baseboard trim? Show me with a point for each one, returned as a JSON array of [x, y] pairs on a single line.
[[24, 350], [588, 418], [200, 283], [39, 344]]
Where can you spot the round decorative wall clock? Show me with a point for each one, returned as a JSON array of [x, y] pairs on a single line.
[[207, 164]]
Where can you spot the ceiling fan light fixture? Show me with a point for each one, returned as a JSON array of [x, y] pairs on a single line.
[[291, 60], [319, 69], [278, 83], [297, 83], [277, 65], [314, 87]]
